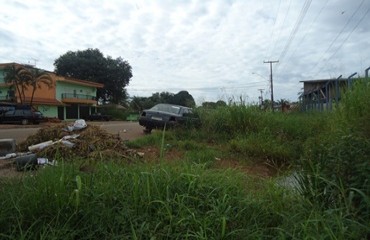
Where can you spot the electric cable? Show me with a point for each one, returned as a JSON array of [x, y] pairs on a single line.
[[335, 39], [344, 40]]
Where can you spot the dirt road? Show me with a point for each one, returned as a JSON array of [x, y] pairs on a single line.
[[126, 130]]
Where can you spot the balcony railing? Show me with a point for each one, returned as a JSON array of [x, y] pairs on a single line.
[[78, 96]]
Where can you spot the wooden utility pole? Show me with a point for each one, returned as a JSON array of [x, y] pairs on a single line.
[[272, 87], [261, 98]]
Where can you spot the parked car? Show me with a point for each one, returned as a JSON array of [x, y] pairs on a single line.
[[99, 117], [22, 116], [168, 115]]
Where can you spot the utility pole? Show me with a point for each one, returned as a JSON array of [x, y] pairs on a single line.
[[261, 98], [272, 88]]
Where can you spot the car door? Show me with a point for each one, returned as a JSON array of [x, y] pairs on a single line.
[[18, 116], [9, 116]]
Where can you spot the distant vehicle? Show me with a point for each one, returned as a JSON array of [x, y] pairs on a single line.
[[168, 115], [99, 117], [22, 116]]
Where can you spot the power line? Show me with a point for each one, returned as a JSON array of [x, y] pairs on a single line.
[[295, 29], [344, 40], [336, 38], [305, 35], [249, 85], [274, 45], [273, 28]]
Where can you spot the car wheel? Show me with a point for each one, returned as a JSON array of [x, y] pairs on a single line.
[[24, 121], [147, 130]]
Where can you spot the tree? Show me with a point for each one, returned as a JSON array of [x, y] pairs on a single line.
[[91, 65], [23, 77], [219, 103], [183, 98], [38, 79], [18, 77]]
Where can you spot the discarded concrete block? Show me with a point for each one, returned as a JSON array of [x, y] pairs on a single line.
[[7, 146], [26, 162]]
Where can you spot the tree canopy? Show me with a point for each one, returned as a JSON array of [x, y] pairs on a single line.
[[182, 98], [91, 65]]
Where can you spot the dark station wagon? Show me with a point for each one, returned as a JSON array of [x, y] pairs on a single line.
[[21, 116], [168, 115]]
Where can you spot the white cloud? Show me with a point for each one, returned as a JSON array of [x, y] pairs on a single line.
[[209, 48]]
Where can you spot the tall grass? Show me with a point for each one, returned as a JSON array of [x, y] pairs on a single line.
[[336, 163], [188, 199], [184, 201], [265, 136]]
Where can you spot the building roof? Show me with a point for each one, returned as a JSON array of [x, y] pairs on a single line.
[[51, 102], [323, 80], [80, 82]]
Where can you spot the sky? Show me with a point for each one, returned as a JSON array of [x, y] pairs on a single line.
[[214, 49]]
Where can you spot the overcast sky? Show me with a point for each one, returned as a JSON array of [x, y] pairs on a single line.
[[213, 49]]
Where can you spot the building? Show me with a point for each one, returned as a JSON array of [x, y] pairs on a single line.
[[65, 98], [323, 94]]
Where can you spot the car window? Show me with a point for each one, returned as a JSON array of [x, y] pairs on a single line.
[[18, 113], [26, 113], [166, 108], [186, 111], [9, 113]]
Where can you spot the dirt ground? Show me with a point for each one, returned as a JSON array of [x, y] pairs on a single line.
[[112, 134], [150, 154]]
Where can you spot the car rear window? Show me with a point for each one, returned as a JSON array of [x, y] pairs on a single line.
[[166, 108]]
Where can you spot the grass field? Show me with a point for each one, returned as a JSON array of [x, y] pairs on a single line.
[[219, 181]]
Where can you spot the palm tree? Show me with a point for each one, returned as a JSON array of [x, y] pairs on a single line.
[[39, 78], [22, 78], [19, 77]]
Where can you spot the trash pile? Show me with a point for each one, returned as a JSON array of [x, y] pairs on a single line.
[[70, 142]]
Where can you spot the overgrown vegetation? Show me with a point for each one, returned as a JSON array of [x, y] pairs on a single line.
[[336, 163], [191, 198]]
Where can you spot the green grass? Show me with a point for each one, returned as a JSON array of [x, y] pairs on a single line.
[[191, 199], [183, 201]]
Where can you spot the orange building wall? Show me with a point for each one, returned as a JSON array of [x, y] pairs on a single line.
[[42, 94]]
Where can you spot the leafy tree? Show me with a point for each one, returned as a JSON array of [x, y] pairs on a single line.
[[183, 98], [141, 103], [24, 77], [91, 65], [219, 103]]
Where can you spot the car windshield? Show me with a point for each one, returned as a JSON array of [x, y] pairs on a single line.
[[166, 108]]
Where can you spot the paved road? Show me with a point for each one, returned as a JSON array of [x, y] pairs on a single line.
[[126, 130]]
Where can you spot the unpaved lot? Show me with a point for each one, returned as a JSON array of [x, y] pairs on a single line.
[[120, 129], [126, 130]]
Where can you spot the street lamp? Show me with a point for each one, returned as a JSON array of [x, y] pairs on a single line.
[[260, 75]]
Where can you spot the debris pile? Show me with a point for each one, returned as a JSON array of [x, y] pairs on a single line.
[[60, 141]]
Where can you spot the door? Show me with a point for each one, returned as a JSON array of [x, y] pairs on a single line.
[[61, 113]]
